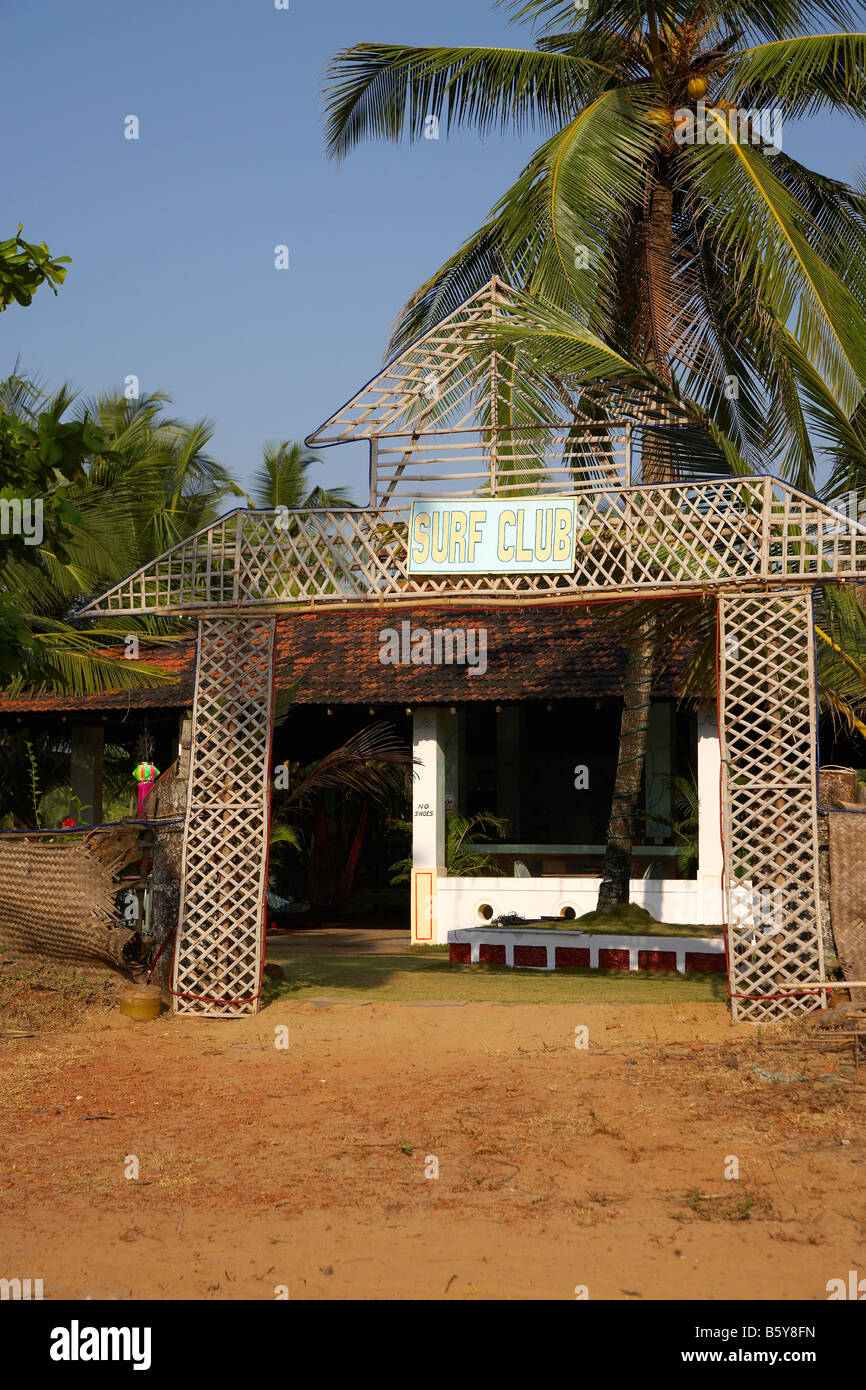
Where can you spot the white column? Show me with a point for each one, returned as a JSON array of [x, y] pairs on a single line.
[[428, 822], [710, 899]]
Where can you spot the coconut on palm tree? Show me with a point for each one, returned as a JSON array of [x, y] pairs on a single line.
[[660, 229]]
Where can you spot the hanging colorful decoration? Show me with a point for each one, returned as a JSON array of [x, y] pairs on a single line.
[[145, 775]]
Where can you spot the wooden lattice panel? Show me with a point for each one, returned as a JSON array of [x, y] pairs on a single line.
[[433, 378], [558, 459], [220, 939], [439, 380], [682, 537], [767, 702]]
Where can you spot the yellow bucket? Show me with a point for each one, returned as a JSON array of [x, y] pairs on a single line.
[[141, 1002]]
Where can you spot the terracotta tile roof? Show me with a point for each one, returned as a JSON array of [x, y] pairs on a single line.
[[556, 652], [177, 658]]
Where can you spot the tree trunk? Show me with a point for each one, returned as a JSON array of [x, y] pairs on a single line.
[[322, 871], [169, 799], [347, 877], [616, 873], [656, 467]]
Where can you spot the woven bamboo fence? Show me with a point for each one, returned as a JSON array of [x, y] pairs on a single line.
[[848, 895], [57, 899]]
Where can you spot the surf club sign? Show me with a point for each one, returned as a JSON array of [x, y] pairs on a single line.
[[492, 537]]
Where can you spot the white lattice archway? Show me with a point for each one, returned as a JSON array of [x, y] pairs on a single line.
[[219, 954], [757, 544]]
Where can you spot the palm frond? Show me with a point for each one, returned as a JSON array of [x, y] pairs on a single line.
[[800, 76], [386, 91], [772, 246], [370, 762]]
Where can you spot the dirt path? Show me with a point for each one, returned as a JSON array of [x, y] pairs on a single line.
[[558, 1166]]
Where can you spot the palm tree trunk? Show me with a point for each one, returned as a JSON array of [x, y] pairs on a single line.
[[322, 871], [347, 877], [655, 468], [616, 872]]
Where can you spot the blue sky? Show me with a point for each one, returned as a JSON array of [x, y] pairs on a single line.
[[172, 236]]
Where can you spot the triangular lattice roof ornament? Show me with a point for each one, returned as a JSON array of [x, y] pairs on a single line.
[[436, 379], [441, 380]]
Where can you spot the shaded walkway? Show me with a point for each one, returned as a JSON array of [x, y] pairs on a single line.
[[338, 941]]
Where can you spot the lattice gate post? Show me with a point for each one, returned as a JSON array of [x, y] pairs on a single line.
[[220, 936], [768, 724]]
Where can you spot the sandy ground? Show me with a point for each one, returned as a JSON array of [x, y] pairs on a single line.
[[558, 1167]]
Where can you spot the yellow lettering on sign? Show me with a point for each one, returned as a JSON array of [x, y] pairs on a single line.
[[458, 540], [439, 543], [544, 534], [563, 541], [524, 554], [505, 552], [421, 539], [476, 522]]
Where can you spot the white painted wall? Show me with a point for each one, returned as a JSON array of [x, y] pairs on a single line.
[[710, 858], [458, 900]]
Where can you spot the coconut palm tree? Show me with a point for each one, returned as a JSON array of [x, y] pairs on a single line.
[[660, 226], [158, 479], [282, 481], [147, 482]]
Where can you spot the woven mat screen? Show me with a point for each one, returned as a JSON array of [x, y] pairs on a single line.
[[848, 895], [57, 900]]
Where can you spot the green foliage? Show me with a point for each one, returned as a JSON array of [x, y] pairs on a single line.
[[371, 764], [44, 756], [460, 861], [35, 793], [283, 837], [282, 481], [24, 267], [683, 825], [286, 835], [16, 642], [42, 458], [700, 262], [118, 484]]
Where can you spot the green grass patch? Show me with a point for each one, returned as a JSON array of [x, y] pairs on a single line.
[[396, 978], [625, 920], [614, 928]]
